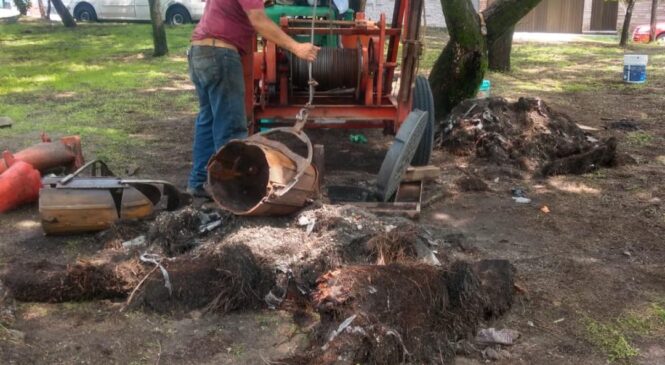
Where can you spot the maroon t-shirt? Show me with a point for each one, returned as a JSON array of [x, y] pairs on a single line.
[[227, 20]]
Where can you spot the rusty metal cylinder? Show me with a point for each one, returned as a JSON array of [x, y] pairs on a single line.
[[258, 176], [334, 68], [47, 155]]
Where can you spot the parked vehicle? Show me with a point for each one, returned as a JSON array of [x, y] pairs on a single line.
[[641, 33], [175, 12]]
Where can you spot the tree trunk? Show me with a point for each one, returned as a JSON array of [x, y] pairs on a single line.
[[499, 52], [626, 23], [42, 11], [66, 17], [654, 20], [158, 30], [504, 14], [48, 10], [460, 68]]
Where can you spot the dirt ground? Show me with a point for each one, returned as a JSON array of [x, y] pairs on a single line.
[[595, 255]]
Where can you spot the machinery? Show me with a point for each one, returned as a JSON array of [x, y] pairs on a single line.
[[356, 78]]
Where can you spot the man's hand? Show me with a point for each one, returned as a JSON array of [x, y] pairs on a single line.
[[306, 51], [264, 26]]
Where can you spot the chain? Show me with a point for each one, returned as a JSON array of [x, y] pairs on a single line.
[[303, 114]]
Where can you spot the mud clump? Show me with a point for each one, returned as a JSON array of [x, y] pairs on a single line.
[[178, 232], [527, 135], [471, 183], [175, 232], [401, 313]]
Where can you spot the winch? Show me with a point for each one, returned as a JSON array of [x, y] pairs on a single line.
[[358, 79]]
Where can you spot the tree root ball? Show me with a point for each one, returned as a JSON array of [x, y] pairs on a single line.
[[84, 280], [527, 135], [405, 312], [231, 279]]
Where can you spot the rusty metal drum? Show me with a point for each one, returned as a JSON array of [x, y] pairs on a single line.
[[260, 176]]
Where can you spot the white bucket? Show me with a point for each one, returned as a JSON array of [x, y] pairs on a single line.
[[635, 68]]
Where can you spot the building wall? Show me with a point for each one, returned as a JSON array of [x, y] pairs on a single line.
[[586, 16], [434, 15], [641, 13], [433, 12]]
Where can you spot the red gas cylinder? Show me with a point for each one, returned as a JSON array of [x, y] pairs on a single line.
[[19, 184]]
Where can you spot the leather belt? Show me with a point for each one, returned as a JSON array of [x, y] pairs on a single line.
[[213, 42]]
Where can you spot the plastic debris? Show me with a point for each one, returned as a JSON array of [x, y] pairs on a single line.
[[139, 241], [358, 138], [519, 196], [491, 336], [156, 260], [545, 209], [209, 222], [518, 192], [425, 254], [339, 330], [309, 222]]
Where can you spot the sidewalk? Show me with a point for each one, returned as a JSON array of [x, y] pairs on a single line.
[[8, 13], [561, 37]]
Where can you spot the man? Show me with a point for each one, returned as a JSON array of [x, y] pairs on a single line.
[[225, 33]]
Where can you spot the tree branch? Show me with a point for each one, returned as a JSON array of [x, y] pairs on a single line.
[[503, 14]]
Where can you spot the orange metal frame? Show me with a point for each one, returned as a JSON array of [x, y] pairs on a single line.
[[373, 106]]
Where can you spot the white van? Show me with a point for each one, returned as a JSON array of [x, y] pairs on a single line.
[[175, 12]]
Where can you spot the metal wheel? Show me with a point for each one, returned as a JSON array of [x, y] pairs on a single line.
[[178, 15], [424, 100], [85, 13]]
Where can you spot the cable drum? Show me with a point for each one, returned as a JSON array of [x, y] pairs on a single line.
[[334, 68]]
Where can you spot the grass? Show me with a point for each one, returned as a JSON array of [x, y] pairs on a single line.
[[639, 138], [100, 81], [611, 340], [616, 338]]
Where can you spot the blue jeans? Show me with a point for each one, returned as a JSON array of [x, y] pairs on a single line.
[[217, 74]]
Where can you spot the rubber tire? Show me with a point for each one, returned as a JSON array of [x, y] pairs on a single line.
[[661, 39], [175, 11], [424, 100], [82, 8]]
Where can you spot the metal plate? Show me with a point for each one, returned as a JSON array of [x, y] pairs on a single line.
[[400, 153]]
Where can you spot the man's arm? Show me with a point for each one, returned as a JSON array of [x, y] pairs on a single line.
[[265, 27]]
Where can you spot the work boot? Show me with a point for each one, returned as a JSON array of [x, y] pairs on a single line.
[[199, 192]]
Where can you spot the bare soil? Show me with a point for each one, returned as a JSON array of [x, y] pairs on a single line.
[[596, 252]]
